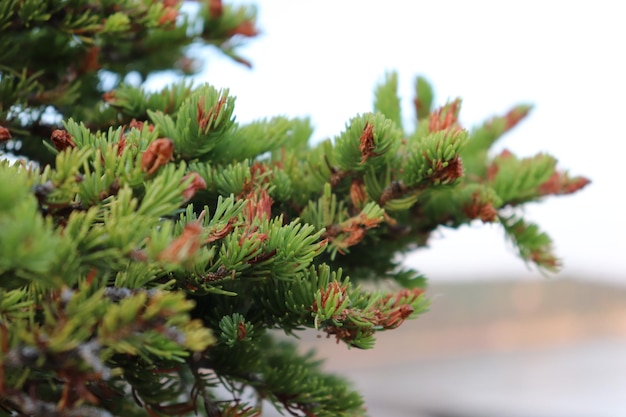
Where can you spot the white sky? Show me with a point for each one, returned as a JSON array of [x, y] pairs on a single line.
[[323, 58]]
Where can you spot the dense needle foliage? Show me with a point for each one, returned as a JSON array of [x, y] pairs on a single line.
[[149, 242]]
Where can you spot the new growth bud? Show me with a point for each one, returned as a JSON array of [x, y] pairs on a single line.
[[184, 246], [5, 134], [159, 153], [197, 184], [62, 140]]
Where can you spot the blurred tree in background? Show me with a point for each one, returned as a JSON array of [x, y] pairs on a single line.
[[149, 242]]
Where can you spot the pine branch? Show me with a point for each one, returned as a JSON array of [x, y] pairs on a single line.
[[153, 242]]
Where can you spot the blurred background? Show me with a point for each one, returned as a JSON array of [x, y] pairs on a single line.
[[501, 340]]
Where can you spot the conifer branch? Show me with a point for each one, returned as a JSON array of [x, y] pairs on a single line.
[[152, 241]]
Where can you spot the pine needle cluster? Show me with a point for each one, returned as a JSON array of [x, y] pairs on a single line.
[[150, 243]]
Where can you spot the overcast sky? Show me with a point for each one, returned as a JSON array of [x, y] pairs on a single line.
[[322, 59]]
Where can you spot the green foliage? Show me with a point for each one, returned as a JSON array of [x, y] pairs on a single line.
[[424, 98], [518, 181], [201, 120], [386, 101], [63, 55], [151, 245], [533, 245]]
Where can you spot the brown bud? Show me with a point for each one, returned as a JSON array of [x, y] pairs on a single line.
[[334, 293], [545, 259], [367, 143], [184, 246], [207, 117], [169, 16], [355, 235], [159, 153], [121, 145], [241, 330], [561, 183], [483, 210], [62, 140], [505, 154], [445, 117], [109, 96], [215, 8], [221, 233], [514, 116], [245, 28], [449, 173], [357, 193], [259, 206], [396, 317], [90, 60], [5, 134], [197, 184], [135, 124], [138, 124]]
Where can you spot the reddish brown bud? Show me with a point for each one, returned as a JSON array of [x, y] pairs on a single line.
[[576, 184], [90, 60], [545, 259], [62, 140], [258, 176], [350, 232], [221, 233], [184, 246], [367, 143], [347, 335], [505, 154], [445, 117], [109, 96], [206, 117], [241, 330], [259, 206], [396, 317], [169, 16], [137, 124], [483, 210], [514, 116], [355, 235], [215, 8], [121, 145], [335, 292], [159, 153], [450, 172], [245, 28], [357, 193], [5, 134], [197, 184], [404, 296], [560, 183]]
